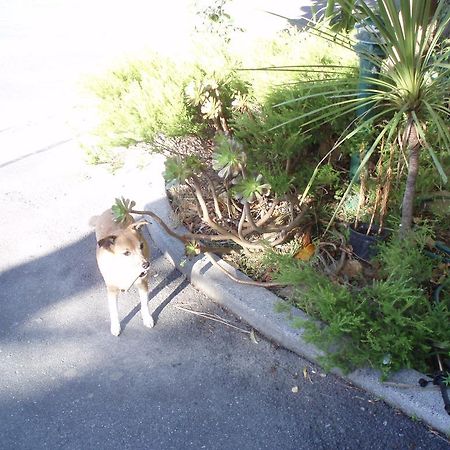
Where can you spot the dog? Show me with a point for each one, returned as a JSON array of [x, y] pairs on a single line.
[[123, 259]]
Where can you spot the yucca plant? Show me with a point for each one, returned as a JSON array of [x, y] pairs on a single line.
[[343, 19], [410, 93]]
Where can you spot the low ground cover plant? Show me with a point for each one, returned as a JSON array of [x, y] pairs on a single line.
[[139, 100], [387, 322]]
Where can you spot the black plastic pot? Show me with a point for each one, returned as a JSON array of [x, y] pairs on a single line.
[[365, 245]]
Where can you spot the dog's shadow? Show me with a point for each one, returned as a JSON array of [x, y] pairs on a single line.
[[172, 276]]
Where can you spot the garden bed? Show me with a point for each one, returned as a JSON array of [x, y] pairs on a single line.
[[257, 306], [286, 160], [324, 278]]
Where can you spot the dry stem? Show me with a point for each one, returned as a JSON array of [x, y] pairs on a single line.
[[215, 318]]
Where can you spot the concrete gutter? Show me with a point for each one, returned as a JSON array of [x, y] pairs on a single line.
[[256, 306]]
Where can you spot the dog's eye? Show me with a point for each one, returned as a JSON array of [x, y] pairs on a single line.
[[127, 253], [141, 246]]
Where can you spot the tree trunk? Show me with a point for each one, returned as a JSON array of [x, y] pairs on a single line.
[[413, 146]]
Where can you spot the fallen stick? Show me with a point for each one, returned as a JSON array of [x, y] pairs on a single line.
[[211, 317]]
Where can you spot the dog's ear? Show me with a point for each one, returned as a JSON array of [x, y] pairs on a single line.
[[138, 225], [107, 242]]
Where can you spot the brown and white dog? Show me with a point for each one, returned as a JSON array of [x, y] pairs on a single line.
[[123, 260]]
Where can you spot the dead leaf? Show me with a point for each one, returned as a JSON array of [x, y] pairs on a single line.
[[306, 374], [306, 253], [352, 268], [306, 238], [253, 337]]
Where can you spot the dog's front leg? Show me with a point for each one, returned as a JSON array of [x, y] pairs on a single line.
[[113, 294], [142, 286]]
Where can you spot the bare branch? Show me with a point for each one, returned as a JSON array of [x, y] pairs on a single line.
[[214, 317], [214, 195], [241, 222], [340, 265], [197, 204], [186, 237], [201, 200], [218, 228], [264, 219], [252, 225]]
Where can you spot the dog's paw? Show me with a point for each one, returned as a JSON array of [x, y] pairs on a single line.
[[149, 322], [115, 329]]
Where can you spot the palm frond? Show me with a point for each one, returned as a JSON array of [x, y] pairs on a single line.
[[413, 81]]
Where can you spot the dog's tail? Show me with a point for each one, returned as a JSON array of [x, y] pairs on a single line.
[[93, 221]]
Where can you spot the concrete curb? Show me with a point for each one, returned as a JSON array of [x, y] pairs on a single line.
[[256, 305]]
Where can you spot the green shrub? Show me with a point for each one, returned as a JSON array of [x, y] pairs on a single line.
[[389, 324], [154, 95], [284, 155], [214, 92], [140, 100]]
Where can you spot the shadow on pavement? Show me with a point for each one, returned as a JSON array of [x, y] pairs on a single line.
[[49, 279], [187, 383], [172, 276], [40, 286]]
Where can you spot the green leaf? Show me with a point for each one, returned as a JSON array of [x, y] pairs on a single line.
[[179, 169], [192, 249], [249, 188], [436, 162], [122, 208], [228, 157]]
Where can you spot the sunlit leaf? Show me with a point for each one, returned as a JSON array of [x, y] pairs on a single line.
[[122, 208], [306, 253]]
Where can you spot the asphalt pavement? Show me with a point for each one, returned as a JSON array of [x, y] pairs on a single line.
[[190, 382], [193, 381]]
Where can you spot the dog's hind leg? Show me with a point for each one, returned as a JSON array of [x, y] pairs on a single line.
[[142, 286], [113, 294]]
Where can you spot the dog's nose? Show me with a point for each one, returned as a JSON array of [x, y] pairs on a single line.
[[146, 265]]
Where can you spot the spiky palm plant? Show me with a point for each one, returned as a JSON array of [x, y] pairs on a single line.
[[411, 92]]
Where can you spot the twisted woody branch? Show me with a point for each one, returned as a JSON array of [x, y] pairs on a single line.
[[209, 252]]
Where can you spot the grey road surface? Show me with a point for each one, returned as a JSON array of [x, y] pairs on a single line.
[[190, 382], [65, 381]]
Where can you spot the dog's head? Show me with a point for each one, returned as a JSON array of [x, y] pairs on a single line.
[[127, 250]]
